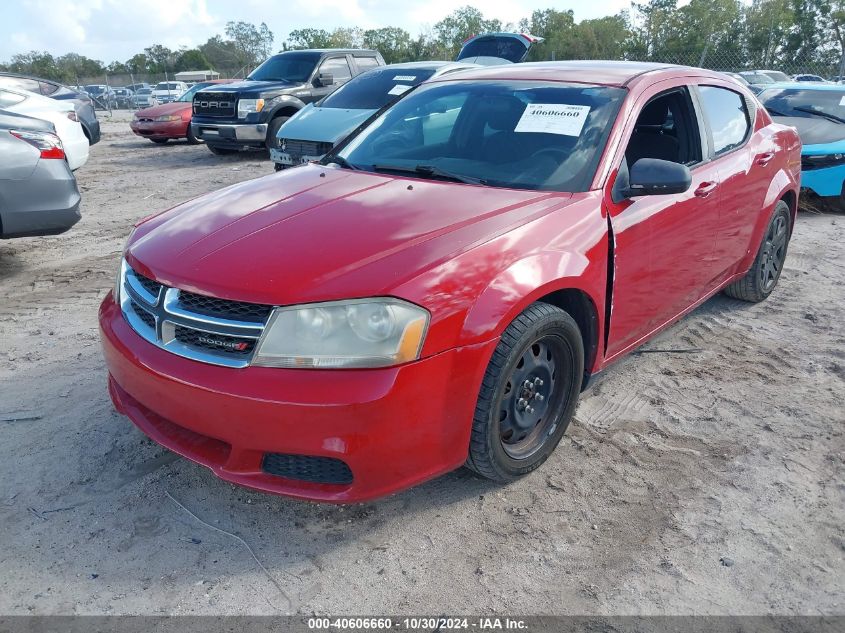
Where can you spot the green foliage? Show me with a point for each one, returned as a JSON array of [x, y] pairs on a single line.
[[458, 26], [251, 44]]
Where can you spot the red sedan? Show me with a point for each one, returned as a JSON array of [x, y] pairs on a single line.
[[170, 120], [440, 288]]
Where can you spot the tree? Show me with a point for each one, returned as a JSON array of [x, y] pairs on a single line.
[[460, 25], [222, 54], [556, 28], [136, 64], [160, 59], [191, 59], [309, 38], [252, 44], [393, 43], [36, 63], [833, 12]]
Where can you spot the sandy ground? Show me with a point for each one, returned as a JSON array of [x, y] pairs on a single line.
[[702, 482]]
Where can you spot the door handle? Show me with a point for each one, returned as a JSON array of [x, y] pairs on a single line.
[[705, 189], [764, 159]]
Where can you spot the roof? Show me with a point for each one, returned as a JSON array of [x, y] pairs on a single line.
[[322, 51], [607, 73], [803, 85]]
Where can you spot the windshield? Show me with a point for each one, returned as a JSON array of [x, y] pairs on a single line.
[[188, 95], [94, 90], [801, 102], [516, 134], [293, 67], [777, 75], [375, 89], [167, 86], [757, 78], [144, 91]]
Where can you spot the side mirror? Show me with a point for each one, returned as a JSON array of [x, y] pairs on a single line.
[[325, 79], [654, 177]]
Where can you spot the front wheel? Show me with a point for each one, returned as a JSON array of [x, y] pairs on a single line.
[[528, 395], [191, 137], [761, 279], [272, 130]]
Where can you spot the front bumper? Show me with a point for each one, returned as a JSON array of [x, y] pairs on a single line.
[[231, 135], [824, 182], [393, 427], [160, 129]]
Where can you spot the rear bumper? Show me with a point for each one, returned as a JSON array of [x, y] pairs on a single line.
[[393, 427], [824, 182], [46, 203], [160, 129], [230, 135], [92, 129]]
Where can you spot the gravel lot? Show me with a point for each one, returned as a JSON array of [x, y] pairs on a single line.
[[703, 481]]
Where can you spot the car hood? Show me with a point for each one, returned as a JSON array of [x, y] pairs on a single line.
[[177, 107], [317, 233], [249, 88], [322, 124], [814, 130]]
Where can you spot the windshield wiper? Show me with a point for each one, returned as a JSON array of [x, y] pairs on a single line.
[[824, 115], [774, 112], [339, 160], [431, 170]]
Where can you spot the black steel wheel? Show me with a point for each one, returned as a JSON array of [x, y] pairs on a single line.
[[529, 394], [762, 277]]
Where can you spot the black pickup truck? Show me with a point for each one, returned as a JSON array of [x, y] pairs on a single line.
[[247, 114]]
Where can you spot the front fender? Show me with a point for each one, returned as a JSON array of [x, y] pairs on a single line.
[[283, 102]]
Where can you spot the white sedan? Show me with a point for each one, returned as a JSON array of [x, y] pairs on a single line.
[[60, 113]]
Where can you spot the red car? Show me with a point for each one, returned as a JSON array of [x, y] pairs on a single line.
[[439, 289], [170, 120]]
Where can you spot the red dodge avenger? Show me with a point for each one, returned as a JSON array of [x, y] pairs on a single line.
[[438, 290]]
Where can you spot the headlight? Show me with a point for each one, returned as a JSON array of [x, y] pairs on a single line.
[[245, 106], [169, 117], [356, 333], [821, 162]]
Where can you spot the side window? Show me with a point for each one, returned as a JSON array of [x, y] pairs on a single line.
[[9, 99], [338, 68], [366, 63], [48, 88], [667, 129], [727, 116]]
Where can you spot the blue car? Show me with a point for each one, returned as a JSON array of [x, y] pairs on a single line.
[[817, 111], [318, 127]]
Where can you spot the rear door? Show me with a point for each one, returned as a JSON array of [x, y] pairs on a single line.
[[663, 244], [746, 166]]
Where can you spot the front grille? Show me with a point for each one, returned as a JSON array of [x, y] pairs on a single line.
[[298, 149], [218, 104], [224, 309], [145, 120], [318, 470], [206, 329], [149, 285], [148, 319], [233, 345]]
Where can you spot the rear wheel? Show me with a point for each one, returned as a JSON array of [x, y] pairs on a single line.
[[160, 141], [272, 130], [761, 279], [220, 151], [528, 395]]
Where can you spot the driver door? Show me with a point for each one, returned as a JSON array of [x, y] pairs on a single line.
[[663, 244], [338, 68]]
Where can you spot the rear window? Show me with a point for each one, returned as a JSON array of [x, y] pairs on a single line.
[[375, 89], [366, 63], [511, 48], [20, 83], [799, 102]]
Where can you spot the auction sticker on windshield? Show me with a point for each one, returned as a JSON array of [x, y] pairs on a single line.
[[404, 77], [553, 118], [399, 89]]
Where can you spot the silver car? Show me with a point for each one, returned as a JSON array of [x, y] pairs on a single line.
[[38, 193]]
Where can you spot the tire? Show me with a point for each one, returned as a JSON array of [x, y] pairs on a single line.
[[160, 141], [763, 276], [272, 130], [191, 138], [220, 151], [543, 352]]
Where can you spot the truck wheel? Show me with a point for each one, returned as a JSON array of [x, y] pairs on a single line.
[[763, 276], [220, 151], [528, 395], [192, 139], [272, 130]]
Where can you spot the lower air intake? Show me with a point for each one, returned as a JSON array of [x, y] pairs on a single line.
[[318, 470]]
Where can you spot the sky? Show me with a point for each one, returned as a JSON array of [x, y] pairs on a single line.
[[114, 30]]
